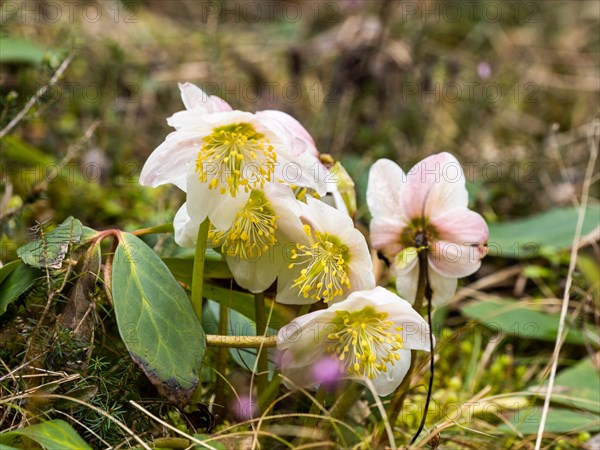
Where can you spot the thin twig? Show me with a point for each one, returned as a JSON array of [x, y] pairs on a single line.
[[40, 92], [594, 135]]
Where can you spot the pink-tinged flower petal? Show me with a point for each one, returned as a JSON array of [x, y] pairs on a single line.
[[301, 139], [434, 186], [462, 226], [195, 98], [443, 288], [301, 166], [451, 259], [385, 189], [385, 232], [170, 161], [186, 230]]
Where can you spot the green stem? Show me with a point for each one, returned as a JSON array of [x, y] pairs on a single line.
[[198, 275], [266, 398], [221, 360], [310, 423], [261, 327]]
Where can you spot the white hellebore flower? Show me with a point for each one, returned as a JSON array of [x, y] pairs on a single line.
[[370, 334], [425, 209], [330, 259], [254, 244], [218, 154]]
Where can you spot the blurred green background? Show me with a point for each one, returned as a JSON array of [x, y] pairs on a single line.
[[509, 87]]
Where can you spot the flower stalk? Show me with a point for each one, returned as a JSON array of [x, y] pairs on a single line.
[[261, 328], [222, 353], [198, 275], [423, 293]]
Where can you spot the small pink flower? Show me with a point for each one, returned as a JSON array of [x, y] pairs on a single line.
[[327, 371], [425, 208], [245, 407]]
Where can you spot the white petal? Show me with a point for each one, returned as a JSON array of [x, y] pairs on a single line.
[[170, 161], [195, 98], [322, 217], [259, 274], [287, 293], [443, 287], [407, 282], [226, 208], [301, 170], [288, 210], [388, 382], [200, 199], [305, 333], [385, 188], [186, 230]]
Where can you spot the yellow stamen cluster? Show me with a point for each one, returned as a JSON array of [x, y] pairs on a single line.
[[324, 265], [253, 231], [365, 342], [235, 156]]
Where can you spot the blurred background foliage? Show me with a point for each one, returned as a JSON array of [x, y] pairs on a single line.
[[511, 88]]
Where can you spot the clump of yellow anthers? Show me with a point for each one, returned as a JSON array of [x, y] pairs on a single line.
[[324, 263], [236, 156], [364, 341], [253, 231]]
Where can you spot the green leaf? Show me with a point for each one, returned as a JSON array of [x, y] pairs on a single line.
[[53, 435], [527, 421], [7, 269], [17, 50], [15, 149], [242, 302], [577, 386], [19, 280], [156, 320], [540, 234], [213, 444], [589, 268], [50, 251], [182, 269], [6, 447], [525, 321]]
